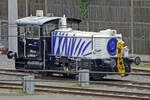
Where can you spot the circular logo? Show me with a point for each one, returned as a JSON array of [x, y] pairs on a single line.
[[112, 46]]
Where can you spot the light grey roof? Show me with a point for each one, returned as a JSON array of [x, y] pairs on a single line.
[[33, 20]]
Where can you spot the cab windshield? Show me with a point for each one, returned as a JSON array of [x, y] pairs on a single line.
[[30, 32]]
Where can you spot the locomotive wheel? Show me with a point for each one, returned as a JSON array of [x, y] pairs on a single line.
[[127, 69]]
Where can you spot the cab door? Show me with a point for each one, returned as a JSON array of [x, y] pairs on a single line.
[[33, 43]]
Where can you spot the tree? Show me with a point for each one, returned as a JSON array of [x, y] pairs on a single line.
[[84, 5]]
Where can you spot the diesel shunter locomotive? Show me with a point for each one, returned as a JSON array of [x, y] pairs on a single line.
[[56, 43]]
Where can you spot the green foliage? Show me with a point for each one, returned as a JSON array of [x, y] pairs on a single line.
[[83, 5]]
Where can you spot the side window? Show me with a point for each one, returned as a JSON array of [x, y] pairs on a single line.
[[36, 31], [45, 31], [28, 32], [21, 31], [73, 25], [47, 28]]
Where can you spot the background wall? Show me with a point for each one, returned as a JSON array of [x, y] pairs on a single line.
[[122, 15]]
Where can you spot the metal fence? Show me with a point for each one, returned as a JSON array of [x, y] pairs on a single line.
[[129, 17], [3, 30], [3, 33]]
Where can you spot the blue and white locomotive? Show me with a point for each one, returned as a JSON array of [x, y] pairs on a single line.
[[52, 43]]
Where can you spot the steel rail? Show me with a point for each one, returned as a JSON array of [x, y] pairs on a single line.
[[137, 85], [81, 91], [15, 72], [140, 70], [95, 92], [130, 85]]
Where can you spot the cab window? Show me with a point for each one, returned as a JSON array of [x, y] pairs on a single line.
[[32, 31], [49, 27], [21, 31]]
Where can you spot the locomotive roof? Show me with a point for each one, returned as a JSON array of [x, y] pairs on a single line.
[[34, 20]]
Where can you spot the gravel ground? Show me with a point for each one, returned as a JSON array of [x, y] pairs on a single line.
[[53, 97], [9, 64], [6, 63]]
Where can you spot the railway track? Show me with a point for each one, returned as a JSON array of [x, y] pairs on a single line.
[[140, 70], [110, 83], [50, 78], [81, 91], [135, 71], [129, 84], [16, 72]]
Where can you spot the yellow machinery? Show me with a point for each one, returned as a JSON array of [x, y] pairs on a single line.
[[120, 61]]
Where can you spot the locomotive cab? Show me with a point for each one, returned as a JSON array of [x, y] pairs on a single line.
[[34, 40]]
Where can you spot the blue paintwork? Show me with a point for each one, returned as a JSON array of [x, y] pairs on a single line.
[[64, 45], [89, 53], [77, 46], [112, 46], [34, 44], [81, 48], [69, 47], [86, 47], [60, 40], [98, 50], [73, 44]]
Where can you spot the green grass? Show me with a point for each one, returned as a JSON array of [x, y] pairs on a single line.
[[76, 85], [1, 76], [21, 92], [73, 85]]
